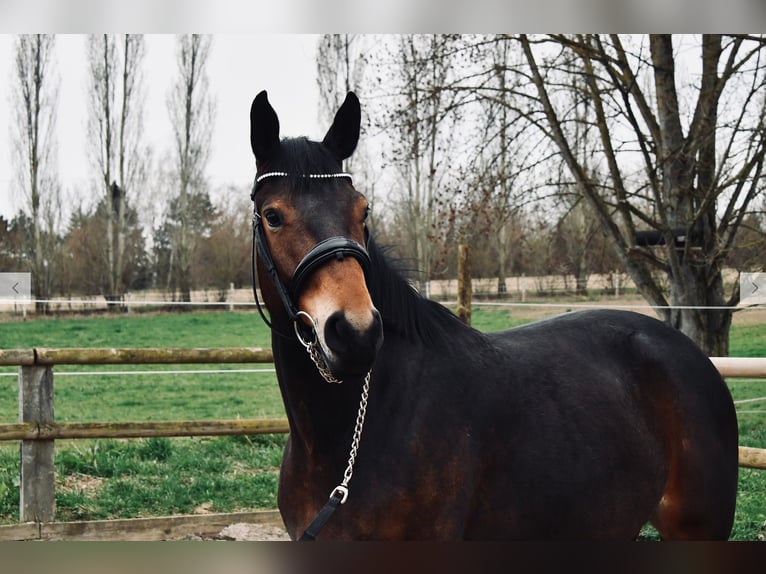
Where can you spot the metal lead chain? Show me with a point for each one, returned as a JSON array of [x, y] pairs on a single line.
[[316, 357], [342, 488], [311, 348], [321, 365]]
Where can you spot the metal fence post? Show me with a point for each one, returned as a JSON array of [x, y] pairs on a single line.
[[37, 496]]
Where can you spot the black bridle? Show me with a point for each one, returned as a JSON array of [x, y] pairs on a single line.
[[336, 247]]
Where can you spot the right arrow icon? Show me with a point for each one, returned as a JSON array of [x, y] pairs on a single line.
[[752, 289]]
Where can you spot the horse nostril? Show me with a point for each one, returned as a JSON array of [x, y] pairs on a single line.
[[344, 338], [338, 333], [377, 324]]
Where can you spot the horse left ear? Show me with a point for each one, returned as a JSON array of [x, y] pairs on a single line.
[[343, 134]]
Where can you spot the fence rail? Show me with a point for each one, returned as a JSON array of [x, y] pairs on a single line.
[[131, 356], [37, 431], [52, 431]]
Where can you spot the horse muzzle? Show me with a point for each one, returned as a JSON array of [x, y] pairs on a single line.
[[350, 347]]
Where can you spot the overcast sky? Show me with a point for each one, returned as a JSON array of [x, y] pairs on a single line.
[[239, 67], [276, 54]]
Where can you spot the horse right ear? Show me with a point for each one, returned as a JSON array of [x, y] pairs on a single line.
[[264, 128]]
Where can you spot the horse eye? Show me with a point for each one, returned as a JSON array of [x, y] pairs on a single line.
[[273, 218], [367, 211]]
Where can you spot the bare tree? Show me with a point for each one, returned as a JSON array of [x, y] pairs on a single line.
[[418, 118], [191, 112], [639, 123], [340, 67], [115, 127], [677, 160], [499, 179], [574, 245], [466, 164], [35, 96], [223, 257], [342, 63]]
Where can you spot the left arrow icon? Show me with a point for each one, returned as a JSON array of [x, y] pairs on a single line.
[[14, 285]]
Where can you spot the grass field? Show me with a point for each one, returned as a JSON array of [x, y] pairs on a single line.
[[150, 477]]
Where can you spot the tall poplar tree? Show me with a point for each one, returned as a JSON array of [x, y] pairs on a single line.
[[192, 111], [35, 95], [115, 128]]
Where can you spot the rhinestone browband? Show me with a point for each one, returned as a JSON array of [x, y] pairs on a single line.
[[263, 176], [269, 174]]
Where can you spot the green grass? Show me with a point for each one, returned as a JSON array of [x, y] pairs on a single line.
[[493, 319], [150, 396], [150, 477], [747, 341], [101, 479], [160, 396], [184, 329], [154, 477]]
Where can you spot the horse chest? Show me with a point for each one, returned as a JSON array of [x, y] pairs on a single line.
[[389, 499]]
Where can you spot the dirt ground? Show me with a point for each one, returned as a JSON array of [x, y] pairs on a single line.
[[264, 532], [242, 532], [750, 316]]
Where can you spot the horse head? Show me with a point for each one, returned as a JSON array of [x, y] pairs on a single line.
[[311, 238]]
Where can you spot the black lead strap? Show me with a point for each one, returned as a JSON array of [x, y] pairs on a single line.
[[311, 532]]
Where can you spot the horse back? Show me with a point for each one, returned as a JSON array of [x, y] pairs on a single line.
[[615, 351], [621, 405]]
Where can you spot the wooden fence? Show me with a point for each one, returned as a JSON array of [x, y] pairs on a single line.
[[37, 431]]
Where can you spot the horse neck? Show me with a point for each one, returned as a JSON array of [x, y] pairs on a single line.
[[319, 412]]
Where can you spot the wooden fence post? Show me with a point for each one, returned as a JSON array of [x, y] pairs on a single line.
[[37, 494], [464, 290]]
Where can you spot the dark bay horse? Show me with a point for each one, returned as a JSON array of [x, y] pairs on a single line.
[[585, 426]]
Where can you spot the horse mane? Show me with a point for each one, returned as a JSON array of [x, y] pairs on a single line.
[[407, 312]]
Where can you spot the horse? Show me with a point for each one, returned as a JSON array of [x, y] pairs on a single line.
[[407, 424]]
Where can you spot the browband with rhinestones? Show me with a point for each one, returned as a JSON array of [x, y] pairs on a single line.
[[269, 174]]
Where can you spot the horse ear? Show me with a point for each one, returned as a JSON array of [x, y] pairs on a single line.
[[343, 134], [264, 128]]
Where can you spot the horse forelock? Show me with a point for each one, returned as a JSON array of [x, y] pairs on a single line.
[[303, 156]]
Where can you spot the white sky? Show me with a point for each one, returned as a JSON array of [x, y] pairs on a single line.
[[239, 67], [275, 57]]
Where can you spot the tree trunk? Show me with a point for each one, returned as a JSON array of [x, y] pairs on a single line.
[[696, 278]]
